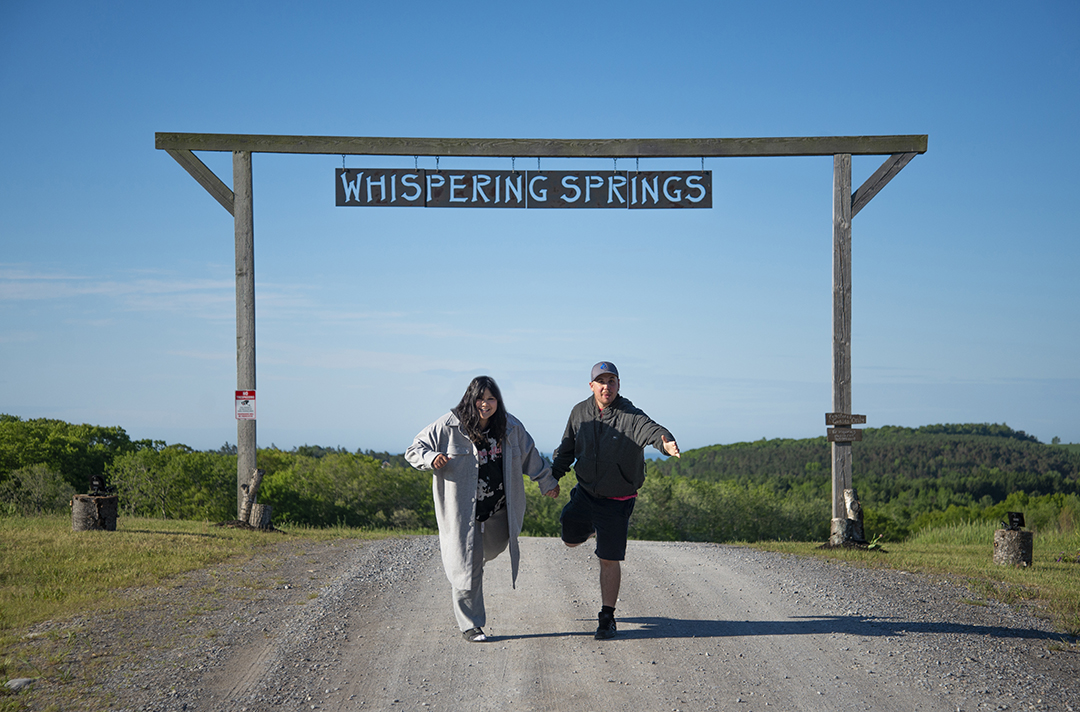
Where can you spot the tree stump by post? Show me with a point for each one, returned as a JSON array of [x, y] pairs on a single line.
[[840, 532], [89, 512], [1013, 547], [849, 530], [251, 493], [260, 516], [855, 515]]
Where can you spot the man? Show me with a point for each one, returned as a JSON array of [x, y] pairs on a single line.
[[606, 436]]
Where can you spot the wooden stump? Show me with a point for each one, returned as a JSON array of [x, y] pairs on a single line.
[[840, 532], [251, 494], [260, 516], [848, 531], [1013, 547], [854, 515], [89, 512]]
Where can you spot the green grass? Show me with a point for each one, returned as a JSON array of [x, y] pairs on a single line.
[[50, 573], [1050, 587]]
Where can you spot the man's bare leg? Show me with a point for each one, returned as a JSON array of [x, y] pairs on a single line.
[[610, 581]]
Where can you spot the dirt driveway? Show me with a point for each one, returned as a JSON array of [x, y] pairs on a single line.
[[367, 625], [702, 627]]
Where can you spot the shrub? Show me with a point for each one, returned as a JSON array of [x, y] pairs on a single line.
[[37, 489], [175, 482]]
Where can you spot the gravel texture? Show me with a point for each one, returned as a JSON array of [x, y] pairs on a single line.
[[355, 625]]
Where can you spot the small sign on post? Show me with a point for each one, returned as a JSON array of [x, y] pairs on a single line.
[[844, 435], [843, 432], [844, 419], [245, 405]]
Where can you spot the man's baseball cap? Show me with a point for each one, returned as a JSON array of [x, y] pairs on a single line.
[[604, 367]]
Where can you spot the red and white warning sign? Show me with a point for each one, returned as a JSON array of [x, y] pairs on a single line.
[[245, 405]]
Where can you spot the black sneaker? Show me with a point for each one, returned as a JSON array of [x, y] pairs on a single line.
[[475, 635], [606, 629]]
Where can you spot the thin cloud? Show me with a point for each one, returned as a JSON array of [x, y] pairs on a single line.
[[359, 359], [206, 297]]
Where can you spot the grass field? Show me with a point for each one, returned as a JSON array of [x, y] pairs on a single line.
[[48, 571]]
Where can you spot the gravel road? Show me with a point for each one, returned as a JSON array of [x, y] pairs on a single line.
[[355, 625]]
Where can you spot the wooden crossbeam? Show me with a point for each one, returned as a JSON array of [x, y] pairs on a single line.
[[548, 148]]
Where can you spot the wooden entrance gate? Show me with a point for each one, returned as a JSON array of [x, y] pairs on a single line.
[[238, 201]]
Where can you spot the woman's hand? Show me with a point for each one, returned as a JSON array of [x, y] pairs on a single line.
[[553, 492], [440, 461]]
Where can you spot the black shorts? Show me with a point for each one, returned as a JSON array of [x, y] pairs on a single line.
[[609, 518]]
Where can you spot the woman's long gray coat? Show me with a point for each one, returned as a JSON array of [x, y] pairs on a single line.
[[454, 488]]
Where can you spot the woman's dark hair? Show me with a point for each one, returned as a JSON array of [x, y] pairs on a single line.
[[470, 417]]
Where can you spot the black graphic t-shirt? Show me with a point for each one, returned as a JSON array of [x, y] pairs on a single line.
[[490, 489]]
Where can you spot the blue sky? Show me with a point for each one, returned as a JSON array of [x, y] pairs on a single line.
[[116, 268]]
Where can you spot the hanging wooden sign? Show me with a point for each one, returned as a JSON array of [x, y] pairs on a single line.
[[422, 188]]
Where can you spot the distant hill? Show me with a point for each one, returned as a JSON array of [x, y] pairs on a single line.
[[978, 459]]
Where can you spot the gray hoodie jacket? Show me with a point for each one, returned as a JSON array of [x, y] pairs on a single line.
[[608, 446]]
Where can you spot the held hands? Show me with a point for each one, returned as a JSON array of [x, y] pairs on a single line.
[[670, 447], [441, 461]]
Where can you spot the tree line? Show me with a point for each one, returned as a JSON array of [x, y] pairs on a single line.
[[908, 478]]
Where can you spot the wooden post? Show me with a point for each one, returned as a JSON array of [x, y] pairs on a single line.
[[841, 451], [244, 225]]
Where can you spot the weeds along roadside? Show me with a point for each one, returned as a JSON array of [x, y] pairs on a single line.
[[963, 553]]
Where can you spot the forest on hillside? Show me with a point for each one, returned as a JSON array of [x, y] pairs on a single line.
[[907, 478]]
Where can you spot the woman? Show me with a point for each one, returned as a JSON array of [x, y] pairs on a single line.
[[478, 453]]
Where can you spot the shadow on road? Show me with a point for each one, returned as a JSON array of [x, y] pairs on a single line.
[[661, 627]]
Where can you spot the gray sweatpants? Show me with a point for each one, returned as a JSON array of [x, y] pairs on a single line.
[[490, 540]]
